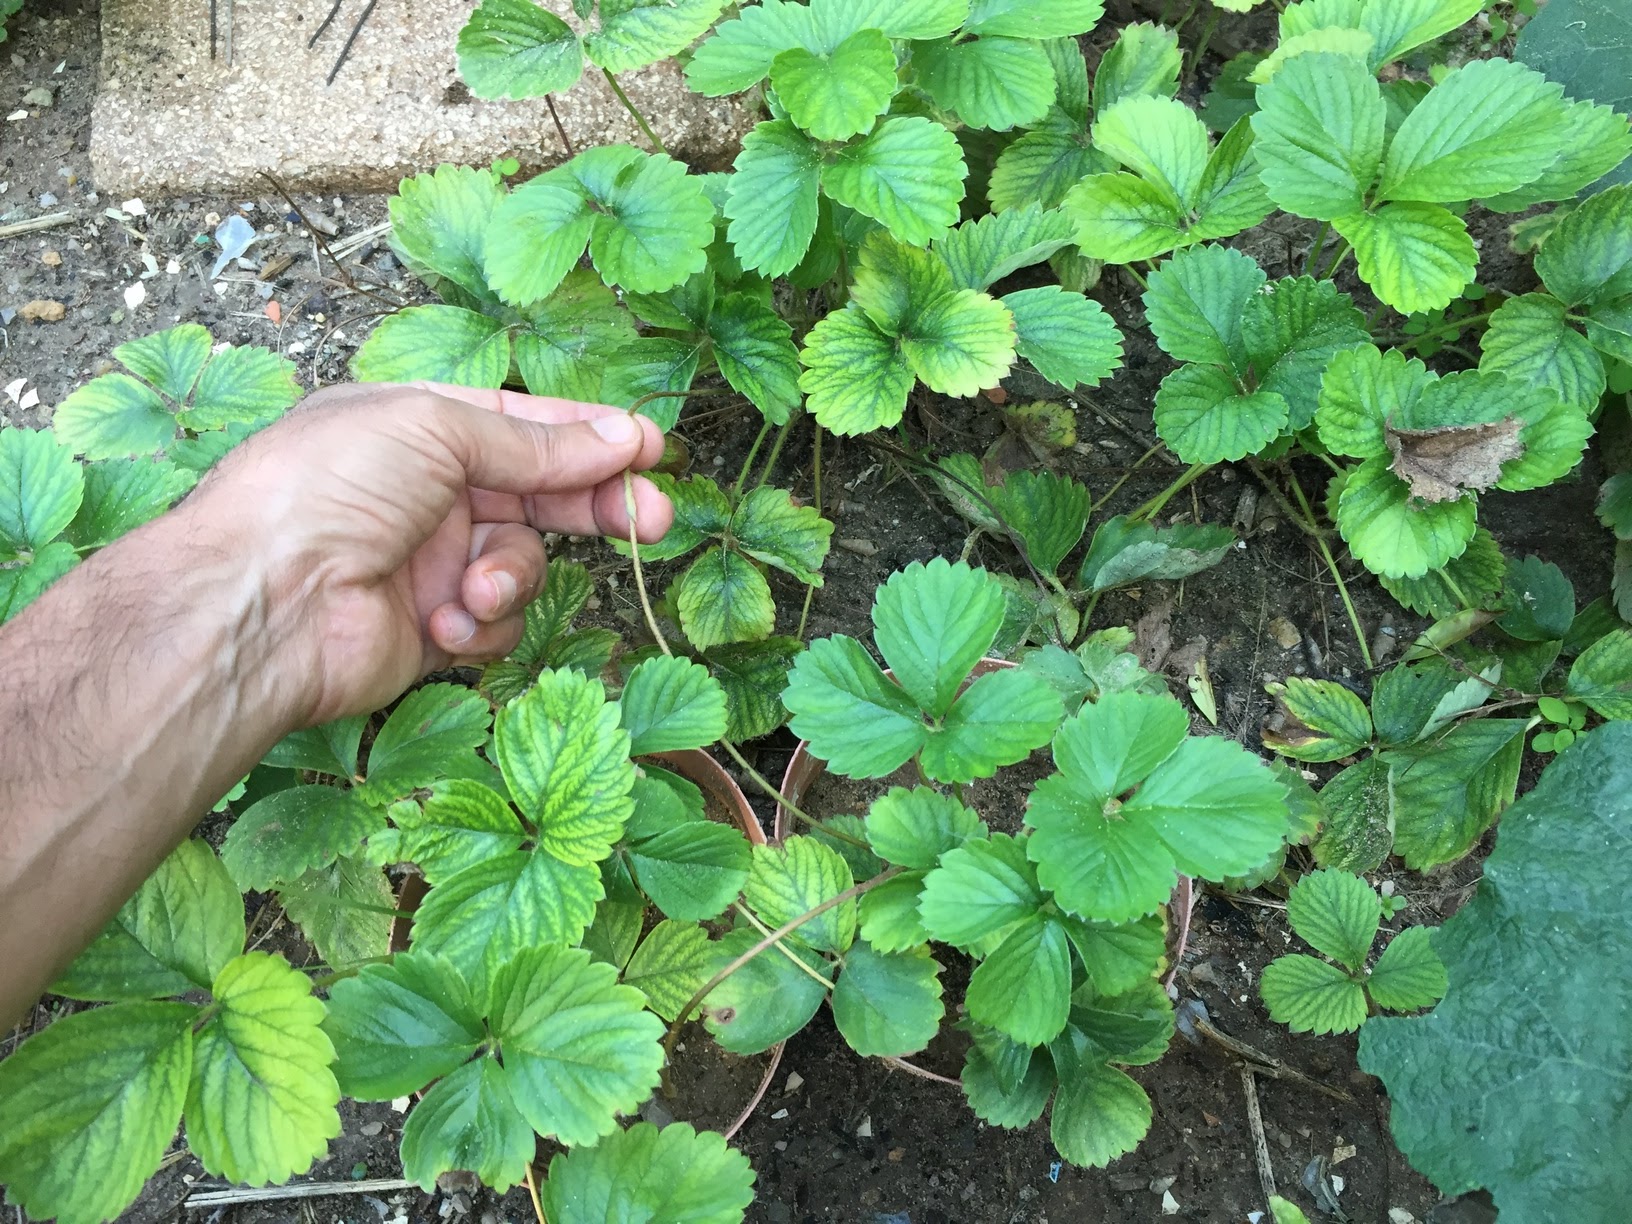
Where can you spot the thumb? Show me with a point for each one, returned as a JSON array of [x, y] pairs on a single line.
[[509, 454]]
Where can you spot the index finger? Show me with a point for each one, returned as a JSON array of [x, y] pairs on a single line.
[[549, 410]]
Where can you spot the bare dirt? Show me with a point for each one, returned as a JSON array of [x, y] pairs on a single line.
[[857, 1141]]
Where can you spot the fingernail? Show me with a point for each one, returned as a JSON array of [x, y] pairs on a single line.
[[504, 588], [619, 429], [460, 627]]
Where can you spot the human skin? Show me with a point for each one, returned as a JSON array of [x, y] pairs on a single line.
[[373, 535]]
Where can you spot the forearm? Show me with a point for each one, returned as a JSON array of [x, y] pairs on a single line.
[[133, 694]]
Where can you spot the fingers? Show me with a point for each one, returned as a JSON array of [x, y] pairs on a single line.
[[547, 410], [463, 639], [506, 570], [653, 511]]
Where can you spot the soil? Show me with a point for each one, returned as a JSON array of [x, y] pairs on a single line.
[[855, 1141]]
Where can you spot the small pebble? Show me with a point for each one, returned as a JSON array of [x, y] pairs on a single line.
[[370, 1129], [1170, 1205], [1284, 632], [51, 259], [1399, 1215], [42, 310], [865, 1130], [795, 1082]]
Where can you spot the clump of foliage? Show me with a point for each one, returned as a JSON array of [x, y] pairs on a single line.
[[1338, 914]]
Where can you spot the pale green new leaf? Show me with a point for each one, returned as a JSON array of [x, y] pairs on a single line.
[[40, 490], [1121, 218], [439, 224], [461, 823], [772, 205], [1159, 139], [722, 598], [856, 719], [855, 379], [398, 1026], [1099, 1114], [767, 1000], [838, 95], [1361, 390], [933, 623], [1195, 301], [1204, 416], [634, 33], [992, 82], [1144, 59], [888, 1004], [671, 703], [771, 527], [578, 1047], [1000, 719], [1415, 257], [517, 49], [1528, 339], [290, 832], [1310, 996], [101, 1089], [1319, 131], [169, 360], [888, 914], [1408, 975], [468, 1121], [1490, 126], [1335, 913], [907, 174], [566, 762], [261, 1101], [1393, 534], [179, 930], [114, 416], [670, 964], [446, 344], [644, 1173], [1068, 338], [981, 252], [913, 828], [1023, 988], [787, 880], [653, 226]]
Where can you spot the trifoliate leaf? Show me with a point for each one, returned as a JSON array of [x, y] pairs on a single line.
[[1023, 988], [1048, 512], [516, 49], [460, 824], [933, 623], [634, 33], [855, 378], [572, 332], [1067, 337], [101, 1088], [887, 1004], [1310, 996], [579, 1049], [566, 762], [1319, 135], [469, 1121], [755, 352], [669, 966], [536, 236], [644, 1173], [1122, 218], [1114, 744], [993, 82], [398, 1026], [980, 253], [1159, 139], [1391, 533], [1099, 1114], [1415, 257], [1449, 790], [856, 719], [1362, 389], [1000, 719], [1324, 722], [114, 416], [671, 703], [768, 998], [913, 828], [1123, 553], [1144, 59], [1202, 413], [1195, 301], [772, 204], [290, 832], [1475, 1083], [1601, 676], [329, 749], [439, 224], [1230, 198], [770, 527], [436, 344], [122, 494], [179, 930], [908, 175], [1408, 976], [837, 95], [739, 54], [40, 490], [961, 343], [1335, 913], [344, 909], [245, 385], [653, 226], [1586, 260], [261, 1101], [169, 360], [723, 598], [981, 888], [788, 880], [1291, 329], [479, 918], [1490, 126]]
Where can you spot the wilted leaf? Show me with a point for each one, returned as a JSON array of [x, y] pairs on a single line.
[[1439, 463]]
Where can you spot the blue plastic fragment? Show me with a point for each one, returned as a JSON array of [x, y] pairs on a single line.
[[1054, 1170]]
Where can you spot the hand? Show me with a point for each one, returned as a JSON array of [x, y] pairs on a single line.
[[400, 524]]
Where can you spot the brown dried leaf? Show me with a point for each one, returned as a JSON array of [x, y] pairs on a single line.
[[1440, 463]]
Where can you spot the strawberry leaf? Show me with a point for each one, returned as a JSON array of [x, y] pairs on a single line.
[[676, 1173], [438, 344], [515, 49]]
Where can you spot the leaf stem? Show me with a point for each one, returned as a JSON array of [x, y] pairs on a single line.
[[1135, 273], [1331, 566], [780, 947], [816, 478], [1449, 325], [630, 107], [776, 452], [787, 928], [1316, 248], [748, 463], [1154, 506], [759, 780], [1123, 479], [1344, 250]]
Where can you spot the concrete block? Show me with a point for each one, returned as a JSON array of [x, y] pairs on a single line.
[[170, 121]]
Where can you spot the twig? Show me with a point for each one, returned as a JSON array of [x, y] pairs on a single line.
[[35, 224], [1129, 432], [231, 1195], [764, 1086], [560, 129], [901, 1064], [317, 237], [323, 25], [1265, 1064], [350, 39], [532, 1193], [1260, 1145], [347, 247]]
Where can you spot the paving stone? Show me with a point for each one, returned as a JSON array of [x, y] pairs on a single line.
[[170, 121]]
